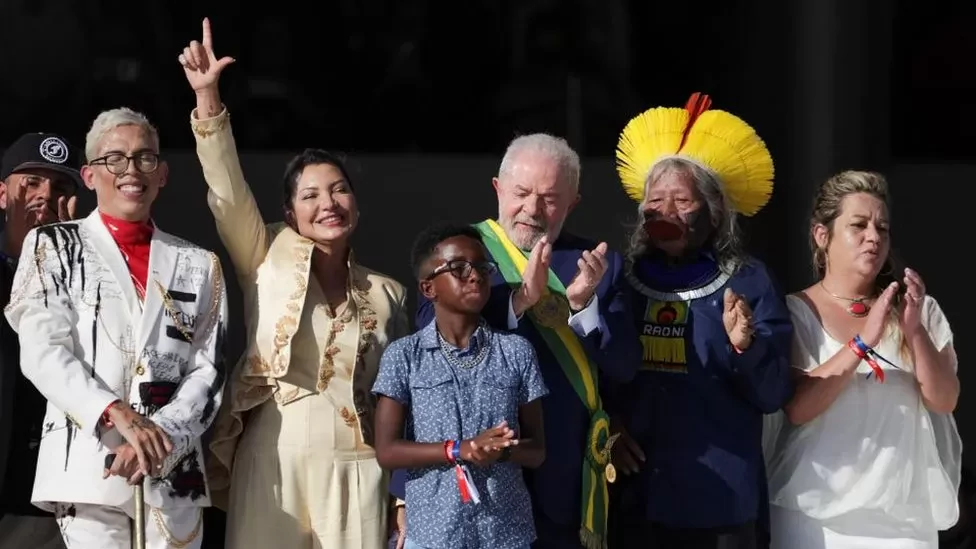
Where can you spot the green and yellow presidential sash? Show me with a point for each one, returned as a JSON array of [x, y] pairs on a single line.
[[550, 317]]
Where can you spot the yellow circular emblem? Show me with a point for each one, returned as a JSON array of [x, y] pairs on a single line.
[[552, 310], [599, 435], [600, 445]]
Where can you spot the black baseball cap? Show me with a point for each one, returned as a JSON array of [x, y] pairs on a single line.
[[41, 150]]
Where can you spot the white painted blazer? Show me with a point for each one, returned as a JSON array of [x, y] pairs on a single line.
[[86, 340]]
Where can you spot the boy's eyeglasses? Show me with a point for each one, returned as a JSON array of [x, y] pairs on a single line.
[[461, 269]]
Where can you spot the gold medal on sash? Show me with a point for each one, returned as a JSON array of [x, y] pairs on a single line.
[[552, 310], [610, 472]]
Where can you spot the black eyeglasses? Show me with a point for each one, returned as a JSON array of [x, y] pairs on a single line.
[[117, 163], [461, 269]]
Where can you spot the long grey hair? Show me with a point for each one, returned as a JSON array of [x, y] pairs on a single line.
[[725, 241]]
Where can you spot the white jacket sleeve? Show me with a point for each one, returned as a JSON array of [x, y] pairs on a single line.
[[41, 312]]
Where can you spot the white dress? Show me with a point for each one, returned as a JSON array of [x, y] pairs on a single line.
[[876, 470]]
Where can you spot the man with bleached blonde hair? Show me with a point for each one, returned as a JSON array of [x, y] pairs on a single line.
[[121, 328]]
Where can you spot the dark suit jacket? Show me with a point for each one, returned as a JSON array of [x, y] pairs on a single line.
[[8, 376], [555, 487], [21, 415]]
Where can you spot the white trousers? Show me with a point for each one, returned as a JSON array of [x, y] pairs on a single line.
[[85, 526], [26, 531]]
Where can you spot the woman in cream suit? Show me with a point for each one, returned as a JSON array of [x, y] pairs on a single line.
[[294, 439]]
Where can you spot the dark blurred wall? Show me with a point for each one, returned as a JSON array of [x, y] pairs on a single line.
[[829, 84]]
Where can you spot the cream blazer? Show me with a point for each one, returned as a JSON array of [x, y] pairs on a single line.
[[273, 265]]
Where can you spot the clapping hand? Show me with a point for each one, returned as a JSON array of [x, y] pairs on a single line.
[[592, 265], [535, 278], [67, 207], [737, 317], [910, 314], [874, 326], [487, 447]]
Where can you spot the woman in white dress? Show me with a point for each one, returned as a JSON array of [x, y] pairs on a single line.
[[870, 455]]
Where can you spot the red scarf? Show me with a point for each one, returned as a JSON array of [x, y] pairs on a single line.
[[133, 239]]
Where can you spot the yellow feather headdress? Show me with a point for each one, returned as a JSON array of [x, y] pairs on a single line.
[[715, 140]]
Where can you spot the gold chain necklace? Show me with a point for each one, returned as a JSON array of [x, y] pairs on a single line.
[[216, 283], [132, 365], [856, 307]]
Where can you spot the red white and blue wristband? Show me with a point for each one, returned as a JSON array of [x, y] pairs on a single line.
[[869, 355], [469, 492]]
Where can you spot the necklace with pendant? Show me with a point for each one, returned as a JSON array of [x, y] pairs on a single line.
[[856, 306]]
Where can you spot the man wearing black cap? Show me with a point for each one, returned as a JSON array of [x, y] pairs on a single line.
[[40, 174], [39, 178]]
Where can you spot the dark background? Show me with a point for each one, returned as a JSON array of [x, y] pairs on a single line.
[[424, 96]]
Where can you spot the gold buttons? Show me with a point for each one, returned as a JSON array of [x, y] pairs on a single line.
[[140, 369]]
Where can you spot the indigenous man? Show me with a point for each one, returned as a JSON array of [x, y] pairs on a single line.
[[39, 179], [715, 334], [578, 321], [121, 329]]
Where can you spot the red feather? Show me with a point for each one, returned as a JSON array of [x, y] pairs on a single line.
[[696, 105]]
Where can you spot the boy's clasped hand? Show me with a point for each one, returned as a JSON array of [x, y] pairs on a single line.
[[487, 447]]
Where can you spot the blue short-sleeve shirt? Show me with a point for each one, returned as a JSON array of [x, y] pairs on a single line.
[[455, 394]]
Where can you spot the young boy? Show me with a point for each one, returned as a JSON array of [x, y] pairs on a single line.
[[469, 398]]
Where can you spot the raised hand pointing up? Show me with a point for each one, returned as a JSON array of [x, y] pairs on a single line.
[[201, 66]]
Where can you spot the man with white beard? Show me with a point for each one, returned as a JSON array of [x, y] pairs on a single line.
[[577, 321]]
